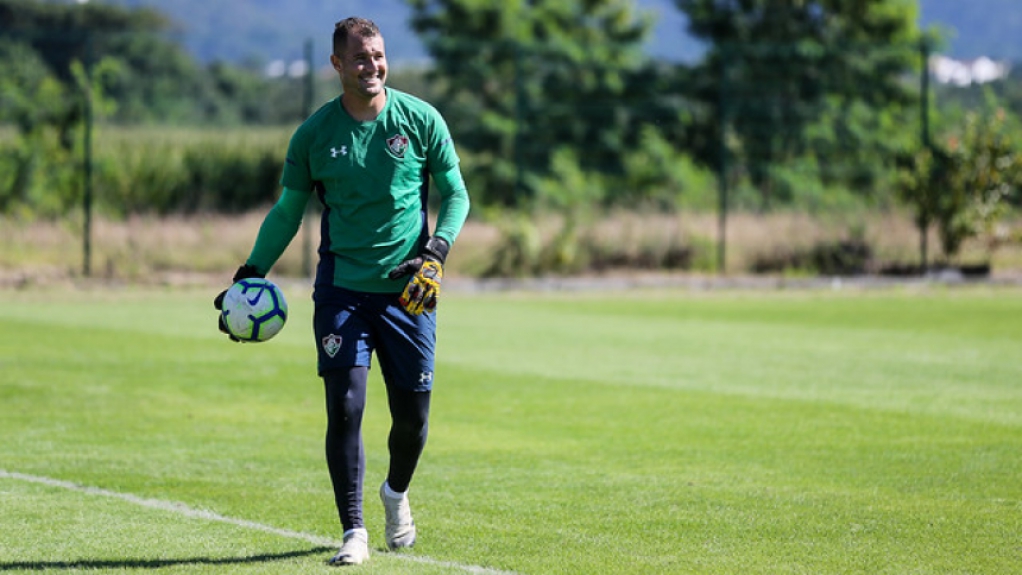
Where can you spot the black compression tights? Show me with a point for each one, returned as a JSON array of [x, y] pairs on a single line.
[[345, 455]]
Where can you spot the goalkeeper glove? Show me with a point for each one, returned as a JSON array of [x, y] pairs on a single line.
[[244, 272], [427, 270]]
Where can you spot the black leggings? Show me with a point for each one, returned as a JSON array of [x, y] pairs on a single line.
[[345, 454]]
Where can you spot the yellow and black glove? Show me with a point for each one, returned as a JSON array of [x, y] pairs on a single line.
[[427, 271]]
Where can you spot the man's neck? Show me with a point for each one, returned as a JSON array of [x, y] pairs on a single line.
[[364, 110]]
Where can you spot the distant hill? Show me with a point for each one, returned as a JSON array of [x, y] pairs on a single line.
[[265, 30]]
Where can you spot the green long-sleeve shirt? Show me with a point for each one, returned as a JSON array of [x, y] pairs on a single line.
[[372, 179]]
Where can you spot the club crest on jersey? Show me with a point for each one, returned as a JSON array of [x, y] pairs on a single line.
[[398, 144], [332, 344]]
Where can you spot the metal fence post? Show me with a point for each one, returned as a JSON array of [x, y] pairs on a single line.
[[308, 100], [87, 161], [924, 128], [722, 166]]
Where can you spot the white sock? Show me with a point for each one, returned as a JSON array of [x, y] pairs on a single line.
[[356, 530], [391, 493]]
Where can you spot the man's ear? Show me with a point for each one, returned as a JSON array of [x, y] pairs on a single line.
[[336, 62]]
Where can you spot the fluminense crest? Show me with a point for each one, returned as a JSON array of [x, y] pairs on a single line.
[[398, 144]]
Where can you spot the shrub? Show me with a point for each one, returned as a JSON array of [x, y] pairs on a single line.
[[846, 257]]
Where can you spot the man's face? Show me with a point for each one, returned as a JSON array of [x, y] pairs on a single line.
[[363, 67]]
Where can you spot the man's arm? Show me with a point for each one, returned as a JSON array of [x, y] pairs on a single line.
[[454, 204], [427, 268], [278, 229]]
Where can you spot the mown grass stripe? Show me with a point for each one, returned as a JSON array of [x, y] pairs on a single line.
[[188, 511]]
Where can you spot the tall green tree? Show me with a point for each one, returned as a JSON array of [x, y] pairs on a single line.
[[521, 79], [63, 33], [44, 115], [147, 74], [794, 78]]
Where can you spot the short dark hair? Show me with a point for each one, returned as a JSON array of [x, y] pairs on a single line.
[[359, 26]]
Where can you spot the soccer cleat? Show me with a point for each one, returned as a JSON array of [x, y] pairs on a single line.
[[355, 549], [400, 528]]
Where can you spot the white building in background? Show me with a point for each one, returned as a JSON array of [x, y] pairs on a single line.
[[293, 69], [963, 73]]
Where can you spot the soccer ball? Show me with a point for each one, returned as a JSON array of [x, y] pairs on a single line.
[[254, 309]]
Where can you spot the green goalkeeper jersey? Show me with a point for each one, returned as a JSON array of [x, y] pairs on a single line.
[[373, 179]]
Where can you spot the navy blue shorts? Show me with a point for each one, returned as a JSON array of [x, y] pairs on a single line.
[[350, 326]]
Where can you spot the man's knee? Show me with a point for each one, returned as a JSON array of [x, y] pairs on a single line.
[[409, 412], [346, 392]]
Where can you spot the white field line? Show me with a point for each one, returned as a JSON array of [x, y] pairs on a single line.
[[185, 510]]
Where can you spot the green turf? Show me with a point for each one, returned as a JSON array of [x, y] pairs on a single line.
[[629, 432]]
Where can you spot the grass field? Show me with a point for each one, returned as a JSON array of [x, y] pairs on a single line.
[[614, 432]]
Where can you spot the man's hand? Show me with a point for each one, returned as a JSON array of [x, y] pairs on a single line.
[[427, 270], [244, 272], [423, 288]]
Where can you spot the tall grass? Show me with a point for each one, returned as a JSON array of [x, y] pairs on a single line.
[[155, 188], [165, 170], [184, 248]]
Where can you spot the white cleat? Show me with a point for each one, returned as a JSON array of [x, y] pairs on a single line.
[[400, 529], [355, 549]]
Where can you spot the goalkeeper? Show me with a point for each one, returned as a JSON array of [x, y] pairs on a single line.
[[368, 156]]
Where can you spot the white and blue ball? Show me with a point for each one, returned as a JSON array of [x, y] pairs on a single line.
[[254, 309]]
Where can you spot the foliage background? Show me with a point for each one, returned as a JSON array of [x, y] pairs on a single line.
[[265, 30], [557, 123]]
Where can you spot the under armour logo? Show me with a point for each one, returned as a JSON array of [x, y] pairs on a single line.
[[334, 151], [426, 377]]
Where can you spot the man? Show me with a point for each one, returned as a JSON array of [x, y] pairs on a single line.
[[369, 154]]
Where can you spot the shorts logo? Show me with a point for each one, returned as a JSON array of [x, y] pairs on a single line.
[[398, 144], [332, 344]]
